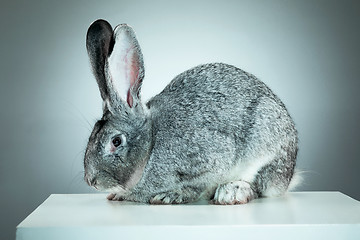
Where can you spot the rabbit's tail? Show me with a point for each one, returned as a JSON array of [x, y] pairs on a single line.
[[296, 180]]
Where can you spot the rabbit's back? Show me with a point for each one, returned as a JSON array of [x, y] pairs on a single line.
[[217, 97], [208, 94]]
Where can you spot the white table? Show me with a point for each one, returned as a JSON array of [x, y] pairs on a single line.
[[297, 215]]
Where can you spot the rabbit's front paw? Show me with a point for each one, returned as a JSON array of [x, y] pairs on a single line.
[[167, 198], [236, 192], [115, 197]]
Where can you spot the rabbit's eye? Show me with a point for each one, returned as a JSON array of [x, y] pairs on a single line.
[[116, 141]]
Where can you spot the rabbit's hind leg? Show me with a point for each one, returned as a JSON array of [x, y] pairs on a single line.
[[273, 179]]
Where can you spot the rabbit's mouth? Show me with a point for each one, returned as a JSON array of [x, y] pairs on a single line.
[[103, 183]]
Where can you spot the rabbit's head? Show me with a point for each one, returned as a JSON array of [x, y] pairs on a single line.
[[119, 143]]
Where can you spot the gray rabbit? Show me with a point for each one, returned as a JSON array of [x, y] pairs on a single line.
[[215, 132]]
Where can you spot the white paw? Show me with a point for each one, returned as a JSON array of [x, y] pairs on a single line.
[[115, 197], [236, 192]]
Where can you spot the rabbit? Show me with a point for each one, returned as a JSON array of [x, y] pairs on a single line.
[[215, 132]]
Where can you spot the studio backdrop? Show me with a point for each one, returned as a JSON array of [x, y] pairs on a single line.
[[307, 52]]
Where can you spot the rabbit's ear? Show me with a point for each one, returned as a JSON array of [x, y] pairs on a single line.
[[99, 42], [125, 68]]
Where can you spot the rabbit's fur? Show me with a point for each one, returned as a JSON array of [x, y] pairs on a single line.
[[214, 132]]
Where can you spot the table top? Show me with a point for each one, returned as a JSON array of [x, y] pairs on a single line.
[[85, 210]]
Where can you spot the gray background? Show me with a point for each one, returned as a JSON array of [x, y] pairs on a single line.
[[306, 51]]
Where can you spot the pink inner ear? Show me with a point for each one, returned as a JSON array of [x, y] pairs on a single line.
[[124, 67], [134, 73]]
